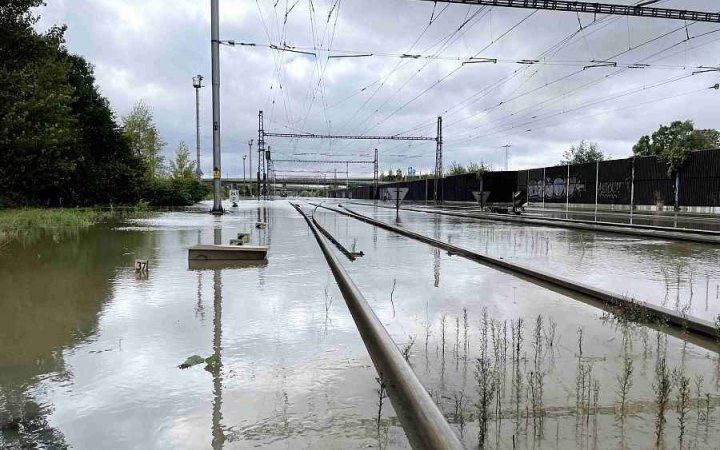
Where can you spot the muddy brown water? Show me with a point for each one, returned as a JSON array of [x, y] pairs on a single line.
[[89, 351]]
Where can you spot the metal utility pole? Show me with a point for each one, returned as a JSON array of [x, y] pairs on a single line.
[[244, 156], [507, 156], [347, 177], [261, 150], [250, 144], [266, 191], [197, 84], [438, 162], [215, 57]]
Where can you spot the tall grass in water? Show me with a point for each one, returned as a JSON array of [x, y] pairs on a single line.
[[20, 223], [683, 400], [662, 388], [625, 383]]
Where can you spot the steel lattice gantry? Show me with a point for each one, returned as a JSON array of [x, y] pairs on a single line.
[[597, 8], [262, 134]]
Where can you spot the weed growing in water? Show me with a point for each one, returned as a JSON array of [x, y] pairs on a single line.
[[442, 331], [550, 333], [457, 336], [328, 302], [683, 399], [408, 347], [625, 381], [662, 389], [459, 415], [391, 296], [466, 326], [382, 395], [698, 396], [486, 390], [580, 342]]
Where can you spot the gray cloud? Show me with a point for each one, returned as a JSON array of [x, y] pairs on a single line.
[[151, 50]]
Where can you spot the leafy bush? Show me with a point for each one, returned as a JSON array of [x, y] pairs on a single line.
[[175, 192]]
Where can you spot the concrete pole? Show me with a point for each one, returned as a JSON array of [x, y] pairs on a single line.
[[215, 57]]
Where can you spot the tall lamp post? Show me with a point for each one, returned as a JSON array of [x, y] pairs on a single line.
[[197, 84], [244, 156]]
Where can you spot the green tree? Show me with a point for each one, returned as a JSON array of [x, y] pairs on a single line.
[[456, 169], [477, 169], [673, 143], [145, 141], [107, 171], [585, 152], [706, 139], [182, 166], [37, 129]]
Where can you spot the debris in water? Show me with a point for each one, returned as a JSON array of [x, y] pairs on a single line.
[[192, 361]]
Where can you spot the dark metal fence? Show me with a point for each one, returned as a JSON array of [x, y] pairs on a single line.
[[631, 181]]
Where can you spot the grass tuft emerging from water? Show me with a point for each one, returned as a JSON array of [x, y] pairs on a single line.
[[17, 223]]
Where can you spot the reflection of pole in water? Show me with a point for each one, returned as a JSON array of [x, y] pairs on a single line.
[[436, 254], [199, 310], [218, 437]]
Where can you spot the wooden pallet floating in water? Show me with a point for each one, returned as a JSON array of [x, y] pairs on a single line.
[[227, 253]]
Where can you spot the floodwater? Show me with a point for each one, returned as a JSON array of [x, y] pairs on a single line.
[[89, 350], [683, 276]]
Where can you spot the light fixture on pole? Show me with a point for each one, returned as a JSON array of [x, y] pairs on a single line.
[[197, 84]]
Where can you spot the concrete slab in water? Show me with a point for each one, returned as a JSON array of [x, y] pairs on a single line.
[[226, 252]]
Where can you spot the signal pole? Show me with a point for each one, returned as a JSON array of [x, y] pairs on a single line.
[[215, 57], [197, 84]]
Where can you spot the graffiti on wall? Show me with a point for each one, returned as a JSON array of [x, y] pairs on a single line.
[[554, 188], [611, 190]]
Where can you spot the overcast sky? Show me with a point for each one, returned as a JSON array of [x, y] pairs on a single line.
[[151, 49]]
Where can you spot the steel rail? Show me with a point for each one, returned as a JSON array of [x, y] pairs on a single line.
[[352, 256], [648, 231], [693, 324], [422, 420]]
